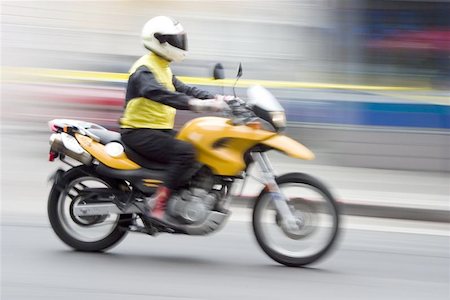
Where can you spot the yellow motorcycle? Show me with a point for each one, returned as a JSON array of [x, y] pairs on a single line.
[[99, 199]]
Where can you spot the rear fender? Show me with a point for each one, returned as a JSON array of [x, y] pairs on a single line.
[[57, 179]]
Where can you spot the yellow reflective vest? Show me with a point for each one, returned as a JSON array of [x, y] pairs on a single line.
[[142, 112]]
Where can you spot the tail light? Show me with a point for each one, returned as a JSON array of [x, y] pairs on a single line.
[[52, 155]]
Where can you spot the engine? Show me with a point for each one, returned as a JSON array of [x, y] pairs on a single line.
[[192, 205]]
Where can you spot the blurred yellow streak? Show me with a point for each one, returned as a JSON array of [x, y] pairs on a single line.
[[295, 85], [12, 73], [24, 74]]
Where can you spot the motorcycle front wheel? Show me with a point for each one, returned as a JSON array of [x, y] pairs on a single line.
[[317, 221], [92, 233]]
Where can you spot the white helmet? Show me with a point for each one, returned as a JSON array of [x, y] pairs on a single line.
[[165, 37]]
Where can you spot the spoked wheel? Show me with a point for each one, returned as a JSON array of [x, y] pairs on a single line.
[[84, 233], [316, 221]]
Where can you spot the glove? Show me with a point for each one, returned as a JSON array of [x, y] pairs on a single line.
[[225, 98], [208, 105], [231, 101]]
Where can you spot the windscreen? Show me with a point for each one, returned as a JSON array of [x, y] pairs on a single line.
[[259, 96]]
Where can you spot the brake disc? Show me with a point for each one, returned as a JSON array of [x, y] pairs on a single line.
[[305, 215]]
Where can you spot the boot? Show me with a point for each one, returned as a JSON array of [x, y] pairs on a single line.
[[155, 208], [160, 200]]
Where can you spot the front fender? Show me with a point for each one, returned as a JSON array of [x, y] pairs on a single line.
[[289, 146]]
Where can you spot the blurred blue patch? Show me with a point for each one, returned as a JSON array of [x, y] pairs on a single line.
[[369, 113]]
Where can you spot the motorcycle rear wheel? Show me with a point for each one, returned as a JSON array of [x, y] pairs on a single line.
[[76, 231], [317, 213]]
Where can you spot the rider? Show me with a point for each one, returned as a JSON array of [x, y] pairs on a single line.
[[152, 97]]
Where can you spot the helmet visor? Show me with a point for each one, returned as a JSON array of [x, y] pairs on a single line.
[[176, 40]]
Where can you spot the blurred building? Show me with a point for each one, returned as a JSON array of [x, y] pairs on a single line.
[[276, 40], [409, 36], [286, 40]]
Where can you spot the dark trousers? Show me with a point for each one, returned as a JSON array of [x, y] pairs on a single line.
[[160, 145]]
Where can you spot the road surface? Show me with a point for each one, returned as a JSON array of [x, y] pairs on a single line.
[[227, 265]]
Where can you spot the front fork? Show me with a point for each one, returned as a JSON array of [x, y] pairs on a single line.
[[288, 219]]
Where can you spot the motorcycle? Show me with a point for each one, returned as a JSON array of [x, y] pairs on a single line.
[[99, 199]]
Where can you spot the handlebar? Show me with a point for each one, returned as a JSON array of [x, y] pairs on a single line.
[[240, 113]]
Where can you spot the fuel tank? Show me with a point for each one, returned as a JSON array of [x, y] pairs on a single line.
[[220, 144]]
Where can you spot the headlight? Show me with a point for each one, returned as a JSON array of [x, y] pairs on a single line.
[[278, 118]]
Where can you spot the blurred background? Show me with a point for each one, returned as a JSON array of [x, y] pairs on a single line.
[[372, 65], [365, 84]]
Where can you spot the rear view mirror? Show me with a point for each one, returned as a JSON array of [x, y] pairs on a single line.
[[218, 72], [239, 74]]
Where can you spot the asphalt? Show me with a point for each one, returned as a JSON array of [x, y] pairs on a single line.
[[365, 264]]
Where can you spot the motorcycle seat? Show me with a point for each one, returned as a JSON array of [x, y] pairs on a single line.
[[108, 136]]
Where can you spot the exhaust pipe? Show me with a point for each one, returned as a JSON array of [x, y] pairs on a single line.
[[57, 145]]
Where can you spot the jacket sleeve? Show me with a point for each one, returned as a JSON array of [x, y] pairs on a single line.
[[143, 83], [190, 90]]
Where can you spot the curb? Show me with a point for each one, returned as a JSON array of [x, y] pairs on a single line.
[[375, 211]]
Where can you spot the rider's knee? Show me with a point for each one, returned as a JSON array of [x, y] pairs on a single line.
[[187, 151]]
